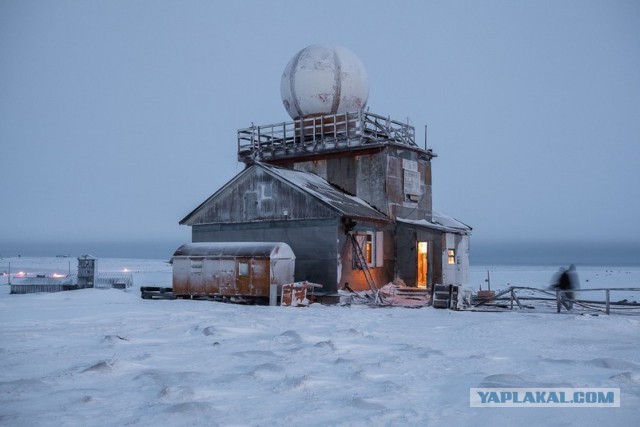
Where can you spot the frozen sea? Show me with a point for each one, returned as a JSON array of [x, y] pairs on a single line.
[[110, 358]]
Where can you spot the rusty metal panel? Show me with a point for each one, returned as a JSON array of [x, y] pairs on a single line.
[[260, 278], [228, 282], [225, 277], [297, 294], [181, 270], [230, 277], [196, 284], [243, 276]]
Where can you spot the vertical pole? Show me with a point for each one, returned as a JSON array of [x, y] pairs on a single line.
[[425, 137], [512, 299], [558, 300], [258, 143], [273, 138], [607, 301]]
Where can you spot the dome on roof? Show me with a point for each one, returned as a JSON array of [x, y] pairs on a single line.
[[324, 80]]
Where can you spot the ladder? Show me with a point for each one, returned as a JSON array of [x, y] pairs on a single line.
[[362, 262]]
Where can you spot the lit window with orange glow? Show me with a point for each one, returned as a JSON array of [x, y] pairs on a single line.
[[451, 256], [367, 241], [423, 265], [368, 249]]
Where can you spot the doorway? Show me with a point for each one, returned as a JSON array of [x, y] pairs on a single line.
[[423, 265]]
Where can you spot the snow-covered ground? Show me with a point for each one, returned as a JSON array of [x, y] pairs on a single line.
[[110, 358]]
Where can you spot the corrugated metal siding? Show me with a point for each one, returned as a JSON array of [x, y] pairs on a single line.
[[224, 277], [314, 243], [251, 249]]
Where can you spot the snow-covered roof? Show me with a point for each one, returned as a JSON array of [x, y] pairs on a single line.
[[308, 183], [271, 250], [319, 188], [40, 281], [440, 222]]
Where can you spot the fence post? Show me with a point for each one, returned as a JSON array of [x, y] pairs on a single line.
[[607, 301], [558, 300]]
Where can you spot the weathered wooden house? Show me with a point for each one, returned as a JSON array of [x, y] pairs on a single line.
[[348, 191]]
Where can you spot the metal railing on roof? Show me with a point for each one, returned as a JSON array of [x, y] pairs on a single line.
[[321, 134]]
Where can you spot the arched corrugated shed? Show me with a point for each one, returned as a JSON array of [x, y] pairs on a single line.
[[272, 250]]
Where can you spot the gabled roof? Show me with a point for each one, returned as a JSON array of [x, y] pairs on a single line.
[[311, 184], [322, 190], [440, 222], [213, 196]]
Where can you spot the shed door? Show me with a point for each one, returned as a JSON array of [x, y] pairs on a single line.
[[243, 277], [196, 280], [226, 277]]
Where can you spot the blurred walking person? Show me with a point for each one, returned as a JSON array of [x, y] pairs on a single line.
[[567, 282]]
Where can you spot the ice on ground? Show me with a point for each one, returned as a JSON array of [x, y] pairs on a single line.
[[108, 357]]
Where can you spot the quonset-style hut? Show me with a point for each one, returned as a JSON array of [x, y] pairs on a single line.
[[231, 269], [348, 190]]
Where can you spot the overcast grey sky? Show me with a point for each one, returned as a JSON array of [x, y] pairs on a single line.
[[117, 118]]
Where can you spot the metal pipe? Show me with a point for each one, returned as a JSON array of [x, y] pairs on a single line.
[[425, 137]]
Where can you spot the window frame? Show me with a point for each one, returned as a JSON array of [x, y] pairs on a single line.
[[451, 256], [370, 243]]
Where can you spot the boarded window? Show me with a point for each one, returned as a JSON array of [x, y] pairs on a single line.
[[411, 180], [267, 190], [196, 265]]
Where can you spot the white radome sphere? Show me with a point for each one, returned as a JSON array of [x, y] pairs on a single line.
[[324, 80]]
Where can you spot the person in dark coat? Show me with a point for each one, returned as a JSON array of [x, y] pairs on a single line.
[[566, 280]]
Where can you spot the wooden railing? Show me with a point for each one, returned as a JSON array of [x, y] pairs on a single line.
[[513, 294], [321, 133]]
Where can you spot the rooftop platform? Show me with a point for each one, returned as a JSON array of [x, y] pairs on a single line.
[[324, 135]]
